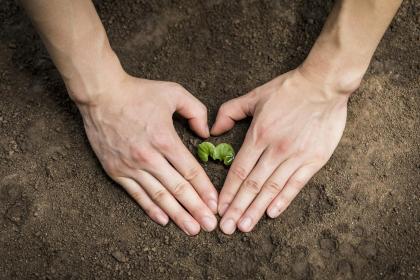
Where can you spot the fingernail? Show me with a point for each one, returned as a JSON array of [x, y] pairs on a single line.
[[209, 223], [223, 208], [273, 212], [161, 219], [213, 205], [228, 226], [245, 224], [205, 129], [191, 228]]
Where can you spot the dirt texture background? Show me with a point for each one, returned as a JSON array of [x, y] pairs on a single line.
[[62, 218]]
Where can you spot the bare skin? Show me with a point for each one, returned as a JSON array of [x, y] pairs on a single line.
[[129, 120], [298, 117], [295, 129]]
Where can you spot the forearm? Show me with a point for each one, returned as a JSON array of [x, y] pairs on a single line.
[[78, 45], [342, 52]]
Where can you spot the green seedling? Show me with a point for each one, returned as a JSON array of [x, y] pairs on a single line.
[[223, 152], [205, 150]]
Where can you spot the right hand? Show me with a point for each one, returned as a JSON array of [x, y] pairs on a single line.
[[130, 128]]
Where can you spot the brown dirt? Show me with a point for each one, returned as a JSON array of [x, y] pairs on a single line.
[[62, 218]]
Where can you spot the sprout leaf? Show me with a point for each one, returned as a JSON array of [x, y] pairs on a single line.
[[205, 150], [223, 152]]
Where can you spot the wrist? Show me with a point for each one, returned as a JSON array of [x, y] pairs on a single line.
[[332, 73], [335, 67], [91, 78]]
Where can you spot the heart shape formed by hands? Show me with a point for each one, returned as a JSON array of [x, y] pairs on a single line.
[[298, 117], [296, 126]]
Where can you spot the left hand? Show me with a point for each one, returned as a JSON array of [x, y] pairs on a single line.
[[297, 124]]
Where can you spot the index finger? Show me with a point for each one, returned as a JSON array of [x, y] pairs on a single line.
[[241, 167], [185, 163]]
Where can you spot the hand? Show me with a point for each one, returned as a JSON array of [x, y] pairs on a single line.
[[297, 123], [131, 131]]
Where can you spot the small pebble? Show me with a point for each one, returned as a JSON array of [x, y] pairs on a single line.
[[119, 256]]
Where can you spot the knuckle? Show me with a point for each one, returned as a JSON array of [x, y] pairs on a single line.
[[163, 140], [152, 212], [202, 109], [141, 154], [223, 109], [137, 196], [282, 146], [289, 195], [321, 158], [297, 182], [252, 186], [148, 211], [301, 149], [192, 173], [300, 152], [253, 93], [235, 211], [115, 168], [110, 167], [239, 172], [226, 196], [180, 189], [201, 113], [159, 195], [259, 133], [284, 197], [273, 187], [179, 215], [261, 130]]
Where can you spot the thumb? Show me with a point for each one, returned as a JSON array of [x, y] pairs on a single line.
[[231, 111], [194, 111]]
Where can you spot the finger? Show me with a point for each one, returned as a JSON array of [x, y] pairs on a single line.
[[293, 186], [249, 189], [232, 111], [269, 191], [167, 202], [141, 197], [182, 190], [242, 165], [185, 163], [194, 111]]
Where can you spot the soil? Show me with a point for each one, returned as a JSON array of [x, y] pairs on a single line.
[[61, 217]]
